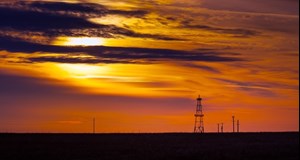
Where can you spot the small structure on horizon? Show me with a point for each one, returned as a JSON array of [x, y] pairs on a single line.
[[238, 126], [94, 125], [233, 129], [199, 126], [221, 127]]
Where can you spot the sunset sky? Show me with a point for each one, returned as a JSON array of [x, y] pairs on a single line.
[[139, 65]]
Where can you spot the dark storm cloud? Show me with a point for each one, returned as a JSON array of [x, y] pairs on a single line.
[[237, 32], [114, 54], [53, 19]]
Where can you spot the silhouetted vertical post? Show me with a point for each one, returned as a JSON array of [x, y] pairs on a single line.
[[94, 125], [233, 124], [222, 128], [238, 125], [218, 128]]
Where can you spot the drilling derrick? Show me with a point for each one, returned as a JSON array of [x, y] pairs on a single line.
[[199, 126]]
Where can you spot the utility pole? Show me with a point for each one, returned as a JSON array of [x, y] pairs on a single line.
[[218, 128], [221, 127], [238, 126], [94, 125], [233, 124]]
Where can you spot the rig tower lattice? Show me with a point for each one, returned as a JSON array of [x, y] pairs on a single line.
[[199, 126]]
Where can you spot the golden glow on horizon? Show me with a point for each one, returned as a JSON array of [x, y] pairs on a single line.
[[78, 41], [83, 69]]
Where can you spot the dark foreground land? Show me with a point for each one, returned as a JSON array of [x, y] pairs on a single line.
[[185, 146]]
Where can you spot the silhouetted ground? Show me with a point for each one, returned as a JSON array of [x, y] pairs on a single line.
[[185, 146]]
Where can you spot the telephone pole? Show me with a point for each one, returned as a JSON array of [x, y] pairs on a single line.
[[233, 124], [221, 127], [238, 126], [94, 125]]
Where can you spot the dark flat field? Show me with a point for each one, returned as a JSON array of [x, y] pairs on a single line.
[[185, 146]]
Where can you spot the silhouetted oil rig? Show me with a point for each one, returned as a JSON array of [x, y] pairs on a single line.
[[199, 126]]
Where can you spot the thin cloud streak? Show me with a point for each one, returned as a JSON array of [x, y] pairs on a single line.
[[238, 32], [113, 53]]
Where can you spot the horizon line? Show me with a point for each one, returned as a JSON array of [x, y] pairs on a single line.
[[146, 132]]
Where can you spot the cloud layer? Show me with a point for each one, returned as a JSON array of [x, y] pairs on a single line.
[[52, 19], [113, 54], [23, 20]]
